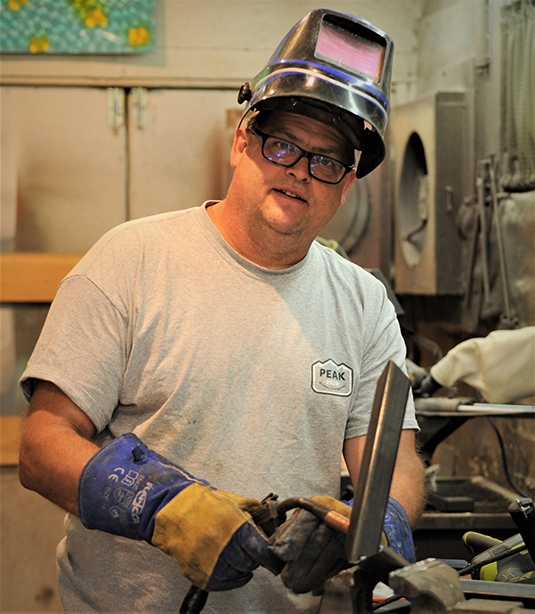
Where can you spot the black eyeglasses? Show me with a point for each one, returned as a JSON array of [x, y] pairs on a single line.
[[284, 153]]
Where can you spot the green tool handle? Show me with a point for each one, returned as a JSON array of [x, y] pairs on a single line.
[[523, 514]]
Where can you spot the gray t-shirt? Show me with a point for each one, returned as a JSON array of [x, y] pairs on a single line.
[[247, 377]]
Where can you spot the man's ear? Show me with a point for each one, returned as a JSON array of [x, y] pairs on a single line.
[[347, 182], [238, 146]]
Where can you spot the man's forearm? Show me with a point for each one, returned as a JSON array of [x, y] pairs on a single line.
[[407, 485], [55, 447], [408, 480], [408, 489]]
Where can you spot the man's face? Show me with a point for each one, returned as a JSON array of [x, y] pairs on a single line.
[[287, 203]]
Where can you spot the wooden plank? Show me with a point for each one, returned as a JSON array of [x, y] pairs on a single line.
[[10, 432], [33, 278]]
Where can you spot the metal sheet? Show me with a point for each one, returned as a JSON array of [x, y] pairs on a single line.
[[380, 451]]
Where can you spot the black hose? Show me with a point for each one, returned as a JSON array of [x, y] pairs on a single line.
[[194, 600], [504, 459]]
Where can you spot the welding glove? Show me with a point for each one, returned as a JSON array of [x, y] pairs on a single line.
[[128, 490], [314, 552], [397, 531]]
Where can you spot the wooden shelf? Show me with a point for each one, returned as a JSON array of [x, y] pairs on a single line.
[[33, 278], [10, 432]]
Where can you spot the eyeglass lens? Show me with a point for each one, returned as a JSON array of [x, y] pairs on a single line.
[[285, 153]]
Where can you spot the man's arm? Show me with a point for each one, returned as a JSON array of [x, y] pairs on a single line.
[[55, 446], [313, 552], [210, 532], [408, 479]]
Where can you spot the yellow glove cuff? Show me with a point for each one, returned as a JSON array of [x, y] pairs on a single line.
[[195, 527]]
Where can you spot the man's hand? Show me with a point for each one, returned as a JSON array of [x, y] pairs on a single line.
[[312, 551], [129, 490]]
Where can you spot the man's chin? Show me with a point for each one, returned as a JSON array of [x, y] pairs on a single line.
[[289, 230], [286, 224]]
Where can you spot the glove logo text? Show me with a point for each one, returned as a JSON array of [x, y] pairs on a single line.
[[123, 496], [138, 503], [329, 377]]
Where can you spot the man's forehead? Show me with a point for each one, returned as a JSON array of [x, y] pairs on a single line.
[[297, 126]]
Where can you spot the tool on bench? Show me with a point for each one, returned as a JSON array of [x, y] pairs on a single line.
[[511, 560], [484, 566], [523, 515]]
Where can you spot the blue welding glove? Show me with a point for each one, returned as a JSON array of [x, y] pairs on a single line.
[[397, 531], [313, 552], [128, 490]]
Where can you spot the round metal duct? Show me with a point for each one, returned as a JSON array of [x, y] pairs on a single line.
[[413, 200], [350, 223]]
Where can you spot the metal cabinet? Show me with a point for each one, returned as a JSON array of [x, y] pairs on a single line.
[[178, 142], [77, 161], [65, 178]]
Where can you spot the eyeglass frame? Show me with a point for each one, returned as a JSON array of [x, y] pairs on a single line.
[[303, 153]]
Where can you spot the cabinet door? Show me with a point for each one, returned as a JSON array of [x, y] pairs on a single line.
[[65, 184], [179, 145]]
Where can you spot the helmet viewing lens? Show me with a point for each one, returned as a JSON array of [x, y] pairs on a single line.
[[284, 153]]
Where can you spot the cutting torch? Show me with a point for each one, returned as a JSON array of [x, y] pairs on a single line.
[[268, 516]]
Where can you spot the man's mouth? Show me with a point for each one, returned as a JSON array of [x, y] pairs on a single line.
[[291, 195]]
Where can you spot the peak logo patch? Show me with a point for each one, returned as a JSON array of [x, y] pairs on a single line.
[[329, 377]]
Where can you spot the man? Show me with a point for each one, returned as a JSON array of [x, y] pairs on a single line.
[[195, 361]]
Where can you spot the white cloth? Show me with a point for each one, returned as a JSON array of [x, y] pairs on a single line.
[[246, 377], [501, 365]]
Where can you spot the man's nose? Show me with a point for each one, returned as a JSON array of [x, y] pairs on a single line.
[[300, 170]]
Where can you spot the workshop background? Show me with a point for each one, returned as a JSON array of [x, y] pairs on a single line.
[[101, 124]]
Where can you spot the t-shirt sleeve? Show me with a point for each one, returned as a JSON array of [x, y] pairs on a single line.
[[383, 342], [82, 349]]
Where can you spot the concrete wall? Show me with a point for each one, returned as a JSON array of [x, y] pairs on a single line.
[[217, 41]]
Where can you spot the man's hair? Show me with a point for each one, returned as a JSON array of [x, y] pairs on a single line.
[[260, 116]]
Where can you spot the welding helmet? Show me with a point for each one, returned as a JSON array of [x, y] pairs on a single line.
[[335, 68]]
